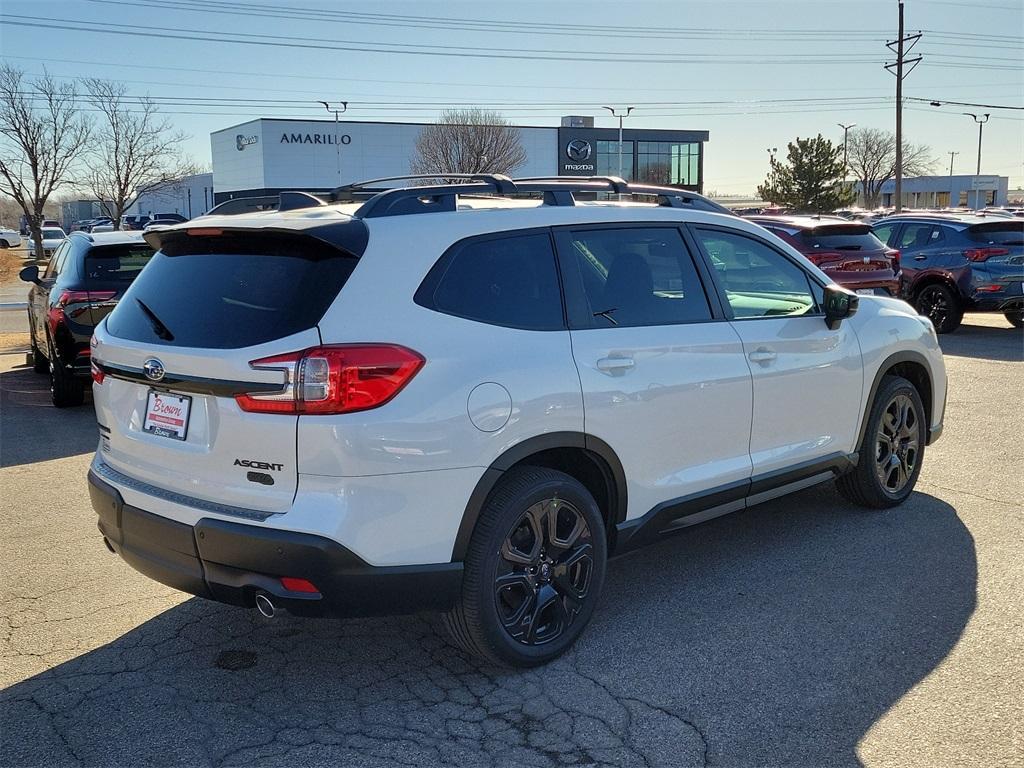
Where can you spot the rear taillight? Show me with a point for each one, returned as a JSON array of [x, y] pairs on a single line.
[[97, 373], [895, 256], [820, 257], [984, 254], [82, 299], [335, 379]]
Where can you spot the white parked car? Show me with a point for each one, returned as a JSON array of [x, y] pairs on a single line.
[[53, 237], [437, 399], [9, 238]]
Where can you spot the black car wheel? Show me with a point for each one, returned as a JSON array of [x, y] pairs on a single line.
[[39, 362], [533, 572], [938, 303], [65, 390], [892, 449], [1016, 318]]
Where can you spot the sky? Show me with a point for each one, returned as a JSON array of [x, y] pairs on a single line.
[[755, 73]]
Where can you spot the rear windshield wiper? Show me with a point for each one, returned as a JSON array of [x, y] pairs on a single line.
[[161, 330]]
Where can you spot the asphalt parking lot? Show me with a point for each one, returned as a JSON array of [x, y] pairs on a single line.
[[802, 632]]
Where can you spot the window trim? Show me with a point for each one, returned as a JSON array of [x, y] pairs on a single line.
[[812, 279], [576, 303], [458, 245]]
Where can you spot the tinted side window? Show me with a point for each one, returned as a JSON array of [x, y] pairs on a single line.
[[758, 280], [884, 232], [57, 261], [509, 280], [638, 276], [919, 236]]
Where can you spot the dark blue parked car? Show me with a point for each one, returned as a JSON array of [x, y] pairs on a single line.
[[956, 263]]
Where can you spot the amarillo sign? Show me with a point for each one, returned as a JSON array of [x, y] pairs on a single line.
[[315, 138]]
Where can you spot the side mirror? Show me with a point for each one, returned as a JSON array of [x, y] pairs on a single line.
[[30, 275], [839, 304]]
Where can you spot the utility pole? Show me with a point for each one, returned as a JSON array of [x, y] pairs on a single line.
[[904, 43], [620, 115], [951, 156], [337, 140], [846, 131], [981, 125]]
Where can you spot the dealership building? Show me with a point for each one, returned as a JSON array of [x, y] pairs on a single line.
[[269, 155]]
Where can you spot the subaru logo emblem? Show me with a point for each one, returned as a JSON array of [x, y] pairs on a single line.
[[153, 369], [241, 142], [578, 150]]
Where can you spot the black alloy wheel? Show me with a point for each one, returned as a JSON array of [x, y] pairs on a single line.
[[544, 574], [898, 444], [39, 362], [533, 569], [892, 450], [938, 303], [66, 391]]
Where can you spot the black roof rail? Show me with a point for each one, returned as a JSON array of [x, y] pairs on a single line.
[[556, 190], [503, 184]]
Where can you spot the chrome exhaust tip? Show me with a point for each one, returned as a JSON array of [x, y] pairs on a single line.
[[265, 605]]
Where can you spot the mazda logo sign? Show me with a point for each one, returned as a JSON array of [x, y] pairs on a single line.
[[153, 369], [578, 150]]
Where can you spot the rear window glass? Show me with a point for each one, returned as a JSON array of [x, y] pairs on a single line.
[[509, 280], [231, 291], [1008, 233], [843, 239], [116, 263]]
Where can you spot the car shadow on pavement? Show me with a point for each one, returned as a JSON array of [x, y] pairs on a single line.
[[32, 430], [774, 636], [984, 342]]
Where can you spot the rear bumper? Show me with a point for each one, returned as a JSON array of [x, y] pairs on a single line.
[[233, 562]]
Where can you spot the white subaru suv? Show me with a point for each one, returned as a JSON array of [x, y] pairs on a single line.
[[467, 397]]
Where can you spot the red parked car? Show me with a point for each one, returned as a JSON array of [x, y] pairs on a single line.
[[846, 251]]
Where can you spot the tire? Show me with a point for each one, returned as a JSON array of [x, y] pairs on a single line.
[[509, 570], [39, 362], [1016, 318], [65, 390], [896, 412], [4, 244], [939, 303]]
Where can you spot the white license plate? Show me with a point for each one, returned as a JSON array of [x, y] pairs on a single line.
[[167, 415], [866, 291]]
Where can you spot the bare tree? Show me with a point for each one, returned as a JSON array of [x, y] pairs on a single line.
[[42, 137], [468, 141], [136, 149], [872, 160]]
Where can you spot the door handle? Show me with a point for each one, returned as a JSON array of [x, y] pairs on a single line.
[[920, 258], [762, 355], [615, 364]]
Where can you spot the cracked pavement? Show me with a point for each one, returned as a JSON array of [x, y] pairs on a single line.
[[801, 632]]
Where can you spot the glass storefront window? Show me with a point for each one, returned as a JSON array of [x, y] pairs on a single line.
[[608, 159], [665, 162]]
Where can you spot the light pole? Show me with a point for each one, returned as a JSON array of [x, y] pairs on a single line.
[[337, 142], [981, 125], [846, 131], [620, 115], [771, 168], [951, 156]]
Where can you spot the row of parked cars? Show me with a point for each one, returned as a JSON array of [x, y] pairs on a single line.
[[943, 263], [129, 222]]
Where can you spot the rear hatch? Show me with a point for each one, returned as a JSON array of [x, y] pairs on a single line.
[[109, 270], [848, 248], [997, 255], [176, 351]]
